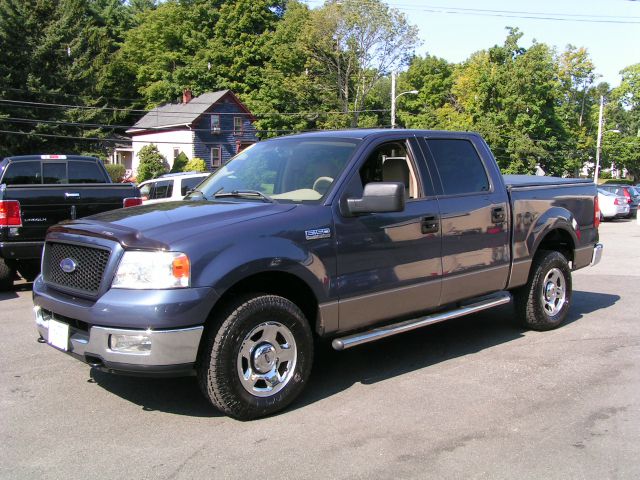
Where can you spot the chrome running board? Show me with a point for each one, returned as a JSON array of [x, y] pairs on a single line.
[[376, 334]]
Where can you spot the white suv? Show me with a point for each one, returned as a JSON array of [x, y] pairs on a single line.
[[171, 186]]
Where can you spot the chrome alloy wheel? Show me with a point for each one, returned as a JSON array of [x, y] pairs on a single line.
[[267, 359], [553, 292]]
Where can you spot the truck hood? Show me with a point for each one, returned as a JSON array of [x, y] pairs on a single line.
[[160, 225]]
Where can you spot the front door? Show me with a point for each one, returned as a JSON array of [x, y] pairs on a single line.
[[389, 264]]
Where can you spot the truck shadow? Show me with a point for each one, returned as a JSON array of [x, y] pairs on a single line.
[[334, 371], [13, 293], [368, 364]]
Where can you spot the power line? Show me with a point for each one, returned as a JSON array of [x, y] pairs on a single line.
[[179, 113], [566, 17]]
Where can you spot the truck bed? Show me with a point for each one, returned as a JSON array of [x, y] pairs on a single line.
[[515, 181]]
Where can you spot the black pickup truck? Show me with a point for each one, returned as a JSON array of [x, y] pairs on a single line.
[[350, 236], [37, 191]]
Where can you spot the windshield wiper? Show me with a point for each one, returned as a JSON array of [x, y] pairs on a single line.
[[245, 193]]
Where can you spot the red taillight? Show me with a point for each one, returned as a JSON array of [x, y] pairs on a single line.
[[10, 213], [616, 201], [596, 212], [131, 202]]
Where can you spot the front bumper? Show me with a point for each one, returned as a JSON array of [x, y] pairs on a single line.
[[172, 352], [172, 319]]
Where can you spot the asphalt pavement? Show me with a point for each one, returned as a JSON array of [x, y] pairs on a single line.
[[476, 397]]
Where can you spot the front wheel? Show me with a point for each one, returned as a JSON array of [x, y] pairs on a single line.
[[259, 358], [543, 303]]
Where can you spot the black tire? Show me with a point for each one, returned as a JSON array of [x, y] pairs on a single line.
[[543, 303], [256, 333], [7, 275]]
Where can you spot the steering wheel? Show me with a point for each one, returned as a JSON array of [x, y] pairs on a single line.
[[320, 181]]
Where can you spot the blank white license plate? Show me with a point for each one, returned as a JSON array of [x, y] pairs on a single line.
[[58, 335]]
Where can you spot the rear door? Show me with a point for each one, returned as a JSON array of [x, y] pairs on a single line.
[[473, 216], [389, 263]]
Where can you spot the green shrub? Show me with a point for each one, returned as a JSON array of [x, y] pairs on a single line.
[[196, 165], [116, 171], [622, 181], [152, 163], [180, 163]]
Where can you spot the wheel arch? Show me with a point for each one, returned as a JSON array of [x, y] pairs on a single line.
[[272, 282], [554, 230]]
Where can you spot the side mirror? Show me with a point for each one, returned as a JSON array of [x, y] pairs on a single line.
[[378, 197]]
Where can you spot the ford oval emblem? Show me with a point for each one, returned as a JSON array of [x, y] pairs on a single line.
[[68, 265]]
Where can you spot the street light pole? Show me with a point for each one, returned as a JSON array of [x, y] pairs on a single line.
[[599, 141], [395, 97]]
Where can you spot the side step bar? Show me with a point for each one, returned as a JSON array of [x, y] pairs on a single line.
[[376, 334]]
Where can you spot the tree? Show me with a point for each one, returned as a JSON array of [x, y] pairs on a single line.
[[152, 163], [116, 171], [196, 165], [433, 78], [353, 43], [55, 52], [180, 163]]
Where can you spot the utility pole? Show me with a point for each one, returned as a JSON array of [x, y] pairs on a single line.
[[599, 141]]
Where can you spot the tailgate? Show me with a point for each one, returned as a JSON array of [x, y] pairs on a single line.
[[45, 205]]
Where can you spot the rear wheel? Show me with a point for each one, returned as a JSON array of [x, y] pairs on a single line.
[[543, 303], [7, 275], [259, 358]]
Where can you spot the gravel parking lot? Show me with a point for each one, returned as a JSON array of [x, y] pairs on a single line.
[[476, 397]]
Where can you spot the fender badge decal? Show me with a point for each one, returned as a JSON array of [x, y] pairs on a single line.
[[317, 233]]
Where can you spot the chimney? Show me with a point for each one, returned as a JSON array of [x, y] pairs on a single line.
[[186, 96]]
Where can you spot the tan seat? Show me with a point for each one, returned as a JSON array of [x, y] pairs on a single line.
[[396, 170]]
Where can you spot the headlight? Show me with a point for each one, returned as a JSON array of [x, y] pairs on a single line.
[[151, 270]]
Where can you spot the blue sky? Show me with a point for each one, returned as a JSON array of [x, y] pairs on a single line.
[[454, 29]]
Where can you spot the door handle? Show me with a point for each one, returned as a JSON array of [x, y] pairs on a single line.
[[430, 224], [498, 215]]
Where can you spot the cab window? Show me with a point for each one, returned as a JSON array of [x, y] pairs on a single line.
[[392, 162], [460, 168], [85, 172], [54, 172], [23, 173]]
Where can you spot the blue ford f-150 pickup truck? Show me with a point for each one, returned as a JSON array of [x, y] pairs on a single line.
[[347, 235]]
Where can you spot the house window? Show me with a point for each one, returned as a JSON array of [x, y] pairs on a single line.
[[216, 157], [237, 125], [215, 123]]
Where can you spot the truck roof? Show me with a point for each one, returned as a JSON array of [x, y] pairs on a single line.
[[53, 157], [361, 134]]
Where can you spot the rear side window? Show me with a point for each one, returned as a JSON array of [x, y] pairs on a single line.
[[85, 172], [459, 166], [23, 173], [162, 190], [189, 184], [54, 172]]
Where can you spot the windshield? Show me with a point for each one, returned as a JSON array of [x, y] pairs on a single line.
[[285, 169]]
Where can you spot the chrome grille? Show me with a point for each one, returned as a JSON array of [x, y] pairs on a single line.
[[90, 264]]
